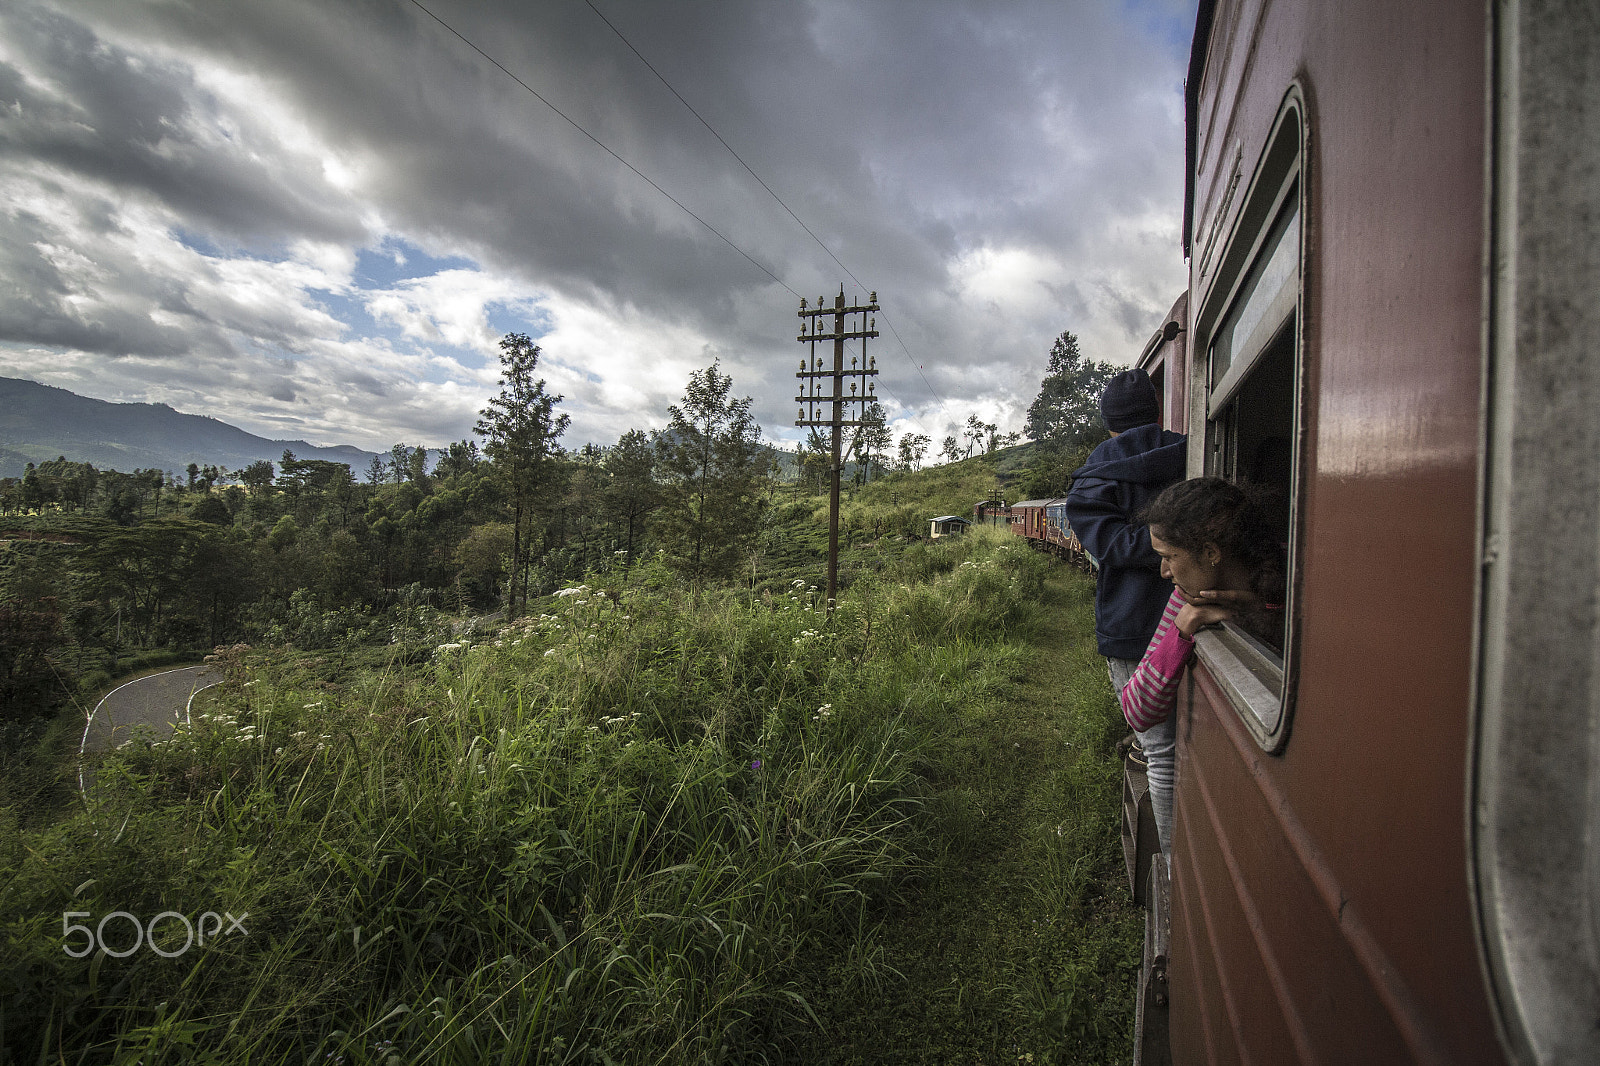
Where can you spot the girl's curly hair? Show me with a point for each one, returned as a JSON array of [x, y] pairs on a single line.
[[1237, 518]]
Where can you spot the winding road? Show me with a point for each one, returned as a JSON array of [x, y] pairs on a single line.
[[157, 701]]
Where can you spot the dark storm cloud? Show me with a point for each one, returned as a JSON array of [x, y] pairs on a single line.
[[145, 126], [998, 172]]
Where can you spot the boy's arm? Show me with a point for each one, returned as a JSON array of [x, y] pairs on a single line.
[[1098, 517]]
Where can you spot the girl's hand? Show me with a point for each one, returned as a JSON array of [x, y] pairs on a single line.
[[1193, 617], [1210, 607], [1233, 598]]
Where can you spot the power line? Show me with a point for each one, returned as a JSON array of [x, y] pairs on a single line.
[[571, 122], [722, 142], [820, 243], [675, 201]]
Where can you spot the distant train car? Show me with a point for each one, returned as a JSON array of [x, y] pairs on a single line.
[[1387, 829], [1044, 524], [991, 513]]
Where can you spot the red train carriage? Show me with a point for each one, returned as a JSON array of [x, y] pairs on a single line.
[[1387, 828], [1044, 524]]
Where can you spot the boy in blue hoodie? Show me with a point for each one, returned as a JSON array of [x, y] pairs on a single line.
[[1108, 492]]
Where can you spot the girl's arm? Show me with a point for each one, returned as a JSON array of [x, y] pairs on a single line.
[[1152, 691]]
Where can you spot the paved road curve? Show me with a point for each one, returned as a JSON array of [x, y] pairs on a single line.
[[156, 701]]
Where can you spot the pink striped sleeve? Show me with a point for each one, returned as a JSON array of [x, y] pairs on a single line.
[[1149, 695]]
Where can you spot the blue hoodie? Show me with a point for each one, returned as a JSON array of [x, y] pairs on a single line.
[[1120, 479]]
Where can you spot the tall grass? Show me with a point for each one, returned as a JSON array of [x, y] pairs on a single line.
[[612, 832]]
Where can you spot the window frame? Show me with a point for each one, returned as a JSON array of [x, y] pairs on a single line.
[[1259, 684]]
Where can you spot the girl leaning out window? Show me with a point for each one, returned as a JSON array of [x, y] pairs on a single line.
[[1219, 549]]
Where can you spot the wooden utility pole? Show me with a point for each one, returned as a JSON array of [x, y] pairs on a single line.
[[812, 394]]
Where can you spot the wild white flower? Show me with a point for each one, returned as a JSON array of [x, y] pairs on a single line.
[[311, 706], [549, 653], [578, 591]]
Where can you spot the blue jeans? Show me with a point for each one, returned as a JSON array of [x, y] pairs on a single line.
[[1160, 744]]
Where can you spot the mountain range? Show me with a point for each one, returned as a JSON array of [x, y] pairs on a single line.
[[41, 422]]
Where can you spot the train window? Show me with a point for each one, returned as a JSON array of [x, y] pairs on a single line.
[[1250, 329]]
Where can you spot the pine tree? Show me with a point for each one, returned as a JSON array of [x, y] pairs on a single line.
[[1065, 417], [872, 439], [709, 463], [1067, 410], [632, 494], [520, 428]]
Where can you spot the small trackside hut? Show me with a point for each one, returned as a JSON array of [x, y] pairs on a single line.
[[949, 525]]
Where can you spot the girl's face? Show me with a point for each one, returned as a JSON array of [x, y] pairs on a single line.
[[1192, 572]]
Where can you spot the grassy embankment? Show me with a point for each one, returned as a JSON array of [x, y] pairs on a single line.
[[629, 830]]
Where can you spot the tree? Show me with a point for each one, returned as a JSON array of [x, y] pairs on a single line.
[[1065, 418], [417, 464], [951, 448], [399, 465], [632, 494], [709, 462], [816, 459], [977, 431], [1067, 410], [377, 471], [872, 438], [520, 429], [460, 458], [257, 476], [913, 446]]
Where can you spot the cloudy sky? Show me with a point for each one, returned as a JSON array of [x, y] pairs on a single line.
[[316, 219]]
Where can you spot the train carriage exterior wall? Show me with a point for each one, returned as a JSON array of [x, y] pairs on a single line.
[[1344, 206]]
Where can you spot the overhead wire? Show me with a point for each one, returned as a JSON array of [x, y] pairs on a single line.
[[606, 148], [675, 201], [801, 222]]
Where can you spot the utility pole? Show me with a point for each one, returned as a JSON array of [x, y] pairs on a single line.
[[815, 400]]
